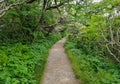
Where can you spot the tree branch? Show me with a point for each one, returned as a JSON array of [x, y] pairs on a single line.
[[56, 6], [2, 12], [115, 57], [30, 1]]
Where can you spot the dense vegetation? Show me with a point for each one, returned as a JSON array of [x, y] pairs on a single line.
[[27, 31], [24, 63], [91, 68], [93, 42], [28, 28], [100, 31]]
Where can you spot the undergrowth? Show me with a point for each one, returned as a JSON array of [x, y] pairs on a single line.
[[90, 68], [23, 63]]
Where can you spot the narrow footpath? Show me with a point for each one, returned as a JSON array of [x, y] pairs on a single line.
[[58, 69]]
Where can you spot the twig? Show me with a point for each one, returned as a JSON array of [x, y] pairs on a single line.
[[115, 57], [2, 12]]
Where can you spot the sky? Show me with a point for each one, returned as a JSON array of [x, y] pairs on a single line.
[[96, 0]]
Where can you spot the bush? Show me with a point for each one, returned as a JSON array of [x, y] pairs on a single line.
[[24, 64], [92, 69]]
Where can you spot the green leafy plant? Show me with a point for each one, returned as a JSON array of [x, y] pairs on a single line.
[[92, 69]]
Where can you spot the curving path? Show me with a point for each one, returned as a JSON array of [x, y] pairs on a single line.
[[58, 69]]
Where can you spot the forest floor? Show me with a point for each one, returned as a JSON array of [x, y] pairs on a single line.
[[58, 69]]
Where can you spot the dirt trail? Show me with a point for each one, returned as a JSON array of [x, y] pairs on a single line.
[[58, 69]]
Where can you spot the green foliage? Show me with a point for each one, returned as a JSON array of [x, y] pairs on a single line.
[[20, 62], [24, 64], [19, 23], [92, 69], [94, 31], [101, 33], [51, 17], [92, 46]]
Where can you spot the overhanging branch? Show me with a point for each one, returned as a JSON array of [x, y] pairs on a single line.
[[2, 12], [56, 6], [30, 1]]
